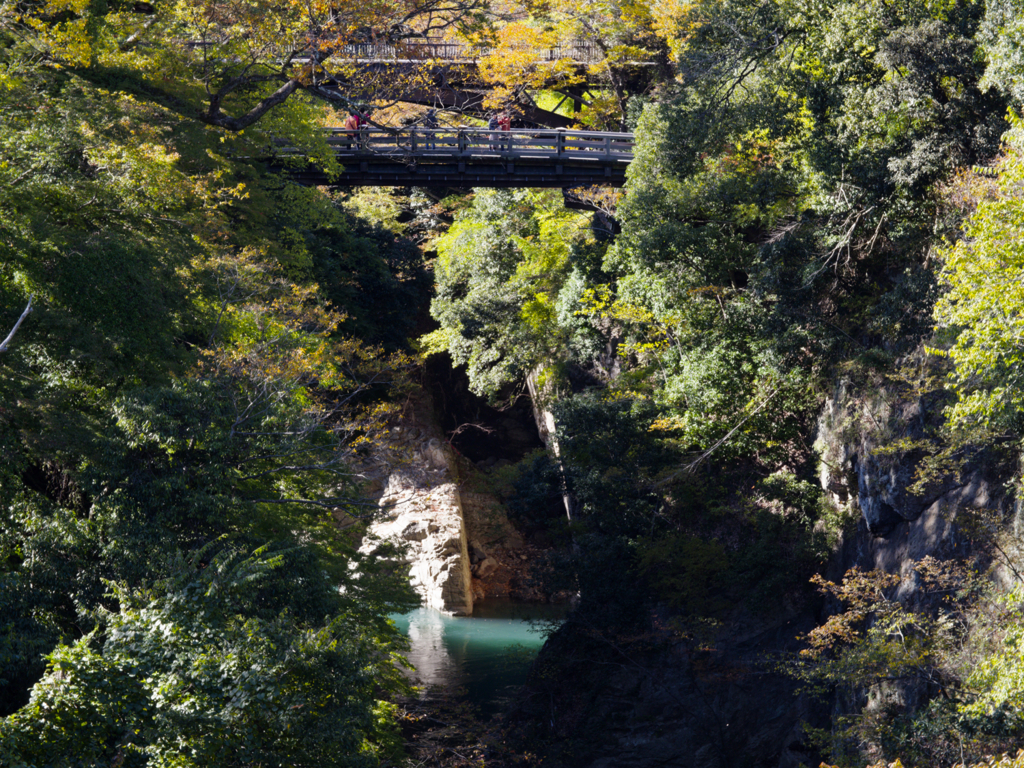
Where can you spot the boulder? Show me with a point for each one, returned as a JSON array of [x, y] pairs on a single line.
[[485, 567], [476, 552]]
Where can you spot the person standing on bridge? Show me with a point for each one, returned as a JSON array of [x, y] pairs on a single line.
[[494, 124], [431, 124], [356, 122], [505, 124], [351, 124]]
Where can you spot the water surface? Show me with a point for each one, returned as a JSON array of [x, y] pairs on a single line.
[[487, 654]]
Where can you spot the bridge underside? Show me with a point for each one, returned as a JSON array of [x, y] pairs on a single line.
[[481, 172]]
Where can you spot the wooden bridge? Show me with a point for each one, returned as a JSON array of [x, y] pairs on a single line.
[[470, 157]]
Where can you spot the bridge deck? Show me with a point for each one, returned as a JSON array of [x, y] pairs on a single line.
[[474, 157]]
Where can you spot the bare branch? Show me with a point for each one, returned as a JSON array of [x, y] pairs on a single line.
[[14, 330], [693, 465], [136, 37], [215, 117]]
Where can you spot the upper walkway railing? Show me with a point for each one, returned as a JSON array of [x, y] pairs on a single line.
[[476, 157], [582, 146], [425, 49]]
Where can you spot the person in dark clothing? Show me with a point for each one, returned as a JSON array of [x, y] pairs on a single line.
[[430, 123], [494, 125]]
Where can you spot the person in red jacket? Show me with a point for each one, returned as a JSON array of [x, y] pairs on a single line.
[[352, 123], [361, 123]]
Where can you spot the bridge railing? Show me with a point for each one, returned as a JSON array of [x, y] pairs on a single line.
[[464, 143], [578, 50]]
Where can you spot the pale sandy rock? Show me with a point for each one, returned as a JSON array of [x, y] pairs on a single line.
[[427, 521], [432, 519], [421, 512]]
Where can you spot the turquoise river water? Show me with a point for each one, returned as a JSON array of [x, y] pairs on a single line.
[[487, 655]]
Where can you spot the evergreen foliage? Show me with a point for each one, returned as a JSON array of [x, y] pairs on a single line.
[[179, 412], [982, 306]]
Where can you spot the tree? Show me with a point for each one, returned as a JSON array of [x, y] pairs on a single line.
[[227, 63], [981, 307], [181, 378], [790, 174], [615, 41], [216, 664], [934, 683], [1000, 35], [505, 269], [609, 454]]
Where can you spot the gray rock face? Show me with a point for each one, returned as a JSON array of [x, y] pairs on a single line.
[[421, 512], [487, 523], [861, 465], [476, 552], [862, 436], [427, 521]]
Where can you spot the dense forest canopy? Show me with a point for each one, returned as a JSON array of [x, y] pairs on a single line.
[[204, 358], [199, 351]]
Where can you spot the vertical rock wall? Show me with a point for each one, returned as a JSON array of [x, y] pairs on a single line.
[[865, 470], [421, 511], [436, 505], [428, 521], [870, 436]]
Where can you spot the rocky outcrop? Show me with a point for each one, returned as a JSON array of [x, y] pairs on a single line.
[[427, 510], [717, 704], [868, 438], [421, 513], [427, 523], [487, 522]]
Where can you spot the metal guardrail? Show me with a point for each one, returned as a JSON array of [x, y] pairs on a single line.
[[414, 50], [441, 144]]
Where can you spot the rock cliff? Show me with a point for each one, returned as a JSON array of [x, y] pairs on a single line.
[[455, 541], [869, 460], [659, 701], [420, 511]]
